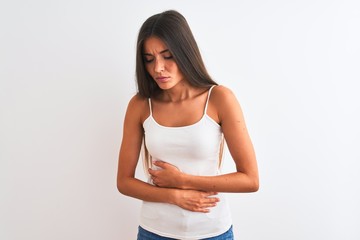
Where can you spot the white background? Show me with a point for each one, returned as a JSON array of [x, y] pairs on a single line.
[[67, 72]]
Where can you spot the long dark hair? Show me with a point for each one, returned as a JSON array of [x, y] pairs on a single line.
[[172, 28]]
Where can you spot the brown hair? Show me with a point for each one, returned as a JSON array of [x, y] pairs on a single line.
[[172, 28]]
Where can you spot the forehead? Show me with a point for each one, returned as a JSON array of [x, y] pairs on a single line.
[[154, 45]]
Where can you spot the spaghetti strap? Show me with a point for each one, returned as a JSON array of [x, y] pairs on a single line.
[[150, 106], [208, 97]]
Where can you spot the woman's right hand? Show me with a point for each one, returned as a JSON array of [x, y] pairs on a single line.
[[195, 201]]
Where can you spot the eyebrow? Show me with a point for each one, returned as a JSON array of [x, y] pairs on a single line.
[[163, 51]]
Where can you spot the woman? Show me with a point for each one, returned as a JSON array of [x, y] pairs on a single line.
[[180, 118]]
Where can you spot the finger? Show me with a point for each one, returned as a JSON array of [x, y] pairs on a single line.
[[213, 200], [211, 193], [203, 210], [208, 206], [210, 198], [160, 164], [152, 172], [210, 201], [153, 179]]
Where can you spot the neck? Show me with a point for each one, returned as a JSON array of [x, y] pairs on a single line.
[[180, 92]]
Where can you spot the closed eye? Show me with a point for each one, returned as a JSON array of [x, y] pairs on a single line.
[[148, 60]]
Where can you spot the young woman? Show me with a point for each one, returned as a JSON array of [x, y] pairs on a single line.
[[180, 118]]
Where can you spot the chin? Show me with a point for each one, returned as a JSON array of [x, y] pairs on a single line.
[[165, 86]]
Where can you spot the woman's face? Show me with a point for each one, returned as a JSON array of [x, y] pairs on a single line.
[[160, 64]]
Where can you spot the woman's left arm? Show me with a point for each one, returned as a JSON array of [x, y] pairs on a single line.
[[225, 109]]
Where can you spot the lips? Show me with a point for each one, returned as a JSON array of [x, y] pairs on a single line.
[[162, 79]]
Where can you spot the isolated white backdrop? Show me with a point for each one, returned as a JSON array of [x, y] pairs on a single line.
[[67, 73]]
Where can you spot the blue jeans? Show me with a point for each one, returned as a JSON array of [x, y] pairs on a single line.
[[146, 235]]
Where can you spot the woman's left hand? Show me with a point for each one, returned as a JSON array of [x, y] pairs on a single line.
[[168, 176]]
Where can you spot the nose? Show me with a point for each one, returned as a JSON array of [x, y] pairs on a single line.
[[159, 65]]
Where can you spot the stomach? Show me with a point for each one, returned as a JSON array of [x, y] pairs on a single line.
[[165, 219]]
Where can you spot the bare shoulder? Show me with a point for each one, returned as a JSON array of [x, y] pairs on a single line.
[[137, 100], [138, 107], [225, 104], [222, 95]]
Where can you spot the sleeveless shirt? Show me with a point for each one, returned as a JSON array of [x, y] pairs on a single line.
[[194, 149]]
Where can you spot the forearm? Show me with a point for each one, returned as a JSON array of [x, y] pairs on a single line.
[[231, 182], [169, 176], [136, 188], [191, 200]]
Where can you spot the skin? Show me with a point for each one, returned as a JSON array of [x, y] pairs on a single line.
[[180, 104]]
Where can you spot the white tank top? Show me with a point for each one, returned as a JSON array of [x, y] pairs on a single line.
[[195, 150]]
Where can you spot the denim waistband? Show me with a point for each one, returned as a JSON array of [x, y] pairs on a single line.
[[146, 235]]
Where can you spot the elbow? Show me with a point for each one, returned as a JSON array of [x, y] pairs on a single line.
[[255, 185], [121, 187]]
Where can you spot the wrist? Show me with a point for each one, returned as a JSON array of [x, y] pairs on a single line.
[[183, 181], [173, 195]]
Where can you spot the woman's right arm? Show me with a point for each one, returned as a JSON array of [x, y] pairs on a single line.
[[127, 184]]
